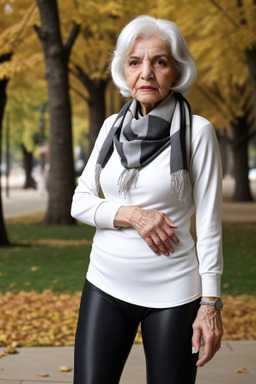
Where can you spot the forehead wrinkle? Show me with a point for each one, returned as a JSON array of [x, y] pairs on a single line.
[[155, 57]]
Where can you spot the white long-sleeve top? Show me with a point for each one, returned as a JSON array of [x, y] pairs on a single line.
[[121, 263]]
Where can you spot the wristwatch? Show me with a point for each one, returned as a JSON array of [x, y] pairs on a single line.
[[217, 304]]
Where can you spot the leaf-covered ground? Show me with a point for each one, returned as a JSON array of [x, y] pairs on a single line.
[[49, 319]]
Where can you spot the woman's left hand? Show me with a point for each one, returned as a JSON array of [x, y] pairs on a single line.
[[209, 325]]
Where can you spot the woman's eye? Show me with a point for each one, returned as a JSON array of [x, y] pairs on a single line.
[[160, 63], [134, 63]]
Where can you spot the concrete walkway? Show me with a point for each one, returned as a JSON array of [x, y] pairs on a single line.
[[26, 366]]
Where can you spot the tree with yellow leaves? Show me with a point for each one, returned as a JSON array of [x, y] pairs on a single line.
[[222, 37], [13, 28]]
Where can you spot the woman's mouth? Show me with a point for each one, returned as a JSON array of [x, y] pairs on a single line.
[[147, 88]]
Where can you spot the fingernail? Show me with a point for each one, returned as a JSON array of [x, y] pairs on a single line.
[[193, 350]]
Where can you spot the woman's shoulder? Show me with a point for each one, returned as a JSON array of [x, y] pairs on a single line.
[[200, 121], [201, 125], [109, 121]]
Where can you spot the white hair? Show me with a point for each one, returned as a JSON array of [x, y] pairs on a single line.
[[147, 26]]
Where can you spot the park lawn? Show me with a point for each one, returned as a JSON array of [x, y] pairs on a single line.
[[56, 258], [239, 250]]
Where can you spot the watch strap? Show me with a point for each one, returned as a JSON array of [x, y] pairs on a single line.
[[217, 304]]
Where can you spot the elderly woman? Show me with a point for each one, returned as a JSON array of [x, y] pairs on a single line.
[[156, 165]]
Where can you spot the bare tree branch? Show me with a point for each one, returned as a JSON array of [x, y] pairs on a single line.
[[216, 102], [71, 39], [80, 94], [80, 74]]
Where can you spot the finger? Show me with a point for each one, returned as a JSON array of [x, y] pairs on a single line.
[[196, 338], [163, 244], [216, 345], [169, 234], [175, 239], [169, 222], [207, 356], [152, 246], [163, 241]]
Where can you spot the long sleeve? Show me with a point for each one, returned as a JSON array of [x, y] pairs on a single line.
[[87, 206], [207, 193]]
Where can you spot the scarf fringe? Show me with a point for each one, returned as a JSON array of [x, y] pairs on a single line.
[[181, 184], [126, 179], [98, 170]]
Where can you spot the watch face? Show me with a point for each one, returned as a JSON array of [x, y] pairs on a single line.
[[218, 305]]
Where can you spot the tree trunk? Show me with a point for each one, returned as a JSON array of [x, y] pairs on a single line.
[[61, 175], [28, 166], [251, 61], [223, 143], [241, 168], [97, 109], [4, 241]]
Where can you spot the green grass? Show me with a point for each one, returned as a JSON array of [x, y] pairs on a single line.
[[56, 258], [53, 265], [239, 249]]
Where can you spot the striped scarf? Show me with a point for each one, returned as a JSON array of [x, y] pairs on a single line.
[[138, 141]]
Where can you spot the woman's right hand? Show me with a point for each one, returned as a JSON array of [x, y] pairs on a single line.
[[153, 226]]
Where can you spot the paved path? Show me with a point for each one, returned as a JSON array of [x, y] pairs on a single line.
[[26, 366]]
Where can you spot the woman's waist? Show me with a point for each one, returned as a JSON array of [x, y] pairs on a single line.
[[126, 244]]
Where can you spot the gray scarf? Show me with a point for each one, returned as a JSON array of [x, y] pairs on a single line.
[[138, 141]]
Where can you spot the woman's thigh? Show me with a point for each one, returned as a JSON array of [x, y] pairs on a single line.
[[167, 337], [103, 340]]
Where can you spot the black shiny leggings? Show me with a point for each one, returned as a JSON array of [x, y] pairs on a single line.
[[106, 330]]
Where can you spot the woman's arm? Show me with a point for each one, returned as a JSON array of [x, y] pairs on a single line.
[[207, 192], [206, 174], [87, 206]]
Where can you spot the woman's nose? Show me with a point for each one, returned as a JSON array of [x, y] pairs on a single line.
[[146, 71]]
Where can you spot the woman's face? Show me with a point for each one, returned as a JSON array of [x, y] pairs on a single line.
[[150, 71]]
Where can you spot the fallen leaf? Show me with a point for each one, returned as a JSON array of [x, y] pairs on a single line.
[[30, 319], [12, 285], [34, 269], [2, 354], [1, 369], [242, 370], [64, 368], [43, 374], [10, 350]]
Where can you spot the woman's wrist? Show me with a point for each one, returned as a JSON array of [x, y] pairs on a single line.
[[208, 298], [124, 216]]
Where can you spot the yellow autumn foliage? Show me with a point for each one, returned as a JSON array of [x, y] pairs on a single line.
[[49, 319]]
